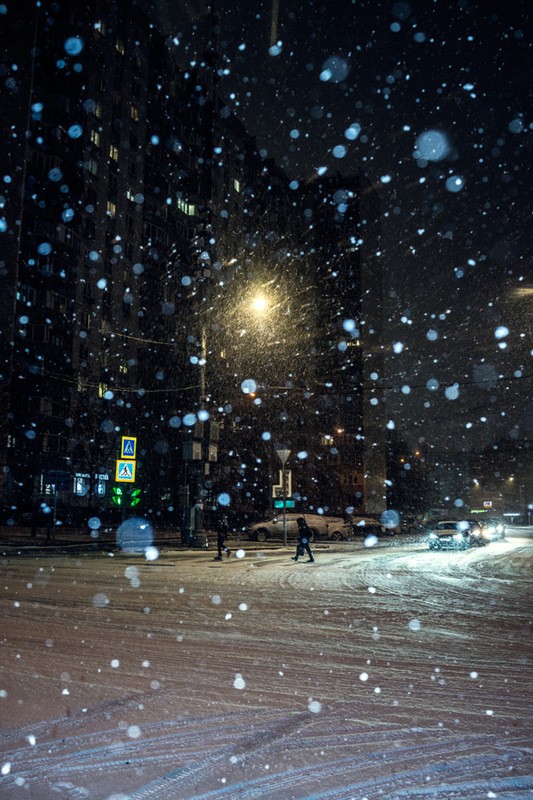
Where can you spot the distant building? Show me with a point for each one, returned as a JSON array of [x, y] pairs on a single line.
[[502, 480], [343, 239]]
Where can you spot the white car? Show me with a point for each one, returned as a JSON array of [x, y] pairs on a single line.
[[453, 534], [322, 527]]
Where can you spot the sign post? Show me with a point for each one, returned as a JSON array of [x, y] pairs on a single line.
[[125, 472], [283, 456]]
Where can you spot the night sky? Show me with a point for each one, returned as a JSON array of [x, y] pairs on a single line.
[[430, 100]]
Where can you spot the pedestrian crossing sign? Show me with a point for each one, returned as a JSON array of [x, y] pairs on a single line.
[[129, 447], [125, 471]]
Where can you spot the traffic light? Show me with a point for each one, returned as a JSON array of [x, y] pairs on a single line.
[[127, 496], [135, 497], [117, 495]]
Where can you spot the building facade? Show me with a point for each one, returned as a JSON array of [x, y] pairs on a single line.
[[162, 281], [343, 242]]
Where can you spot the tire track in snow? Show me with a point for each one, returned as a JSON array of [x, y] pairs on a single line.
[[359, 745]]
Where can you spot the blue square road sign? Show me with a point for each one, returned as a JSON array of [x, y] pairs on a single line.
[[125, 471], [129, 447]]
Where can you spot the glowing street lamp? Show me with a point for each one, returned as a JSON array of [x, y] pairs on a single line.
[[259, 304]]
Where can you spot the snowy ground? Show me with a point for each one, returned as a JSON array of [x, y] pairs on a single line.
[[389, 672]]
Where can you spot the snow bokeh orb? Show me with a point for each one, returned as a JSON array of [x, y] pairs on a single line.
[[151, 553], [335, 69], [249, 386], [239, 682], [431, 146], [135, 535], [73, 45], [390, 519]]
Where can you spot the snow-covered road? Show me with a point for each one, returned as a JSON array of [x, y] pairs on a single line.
[[384, 673]]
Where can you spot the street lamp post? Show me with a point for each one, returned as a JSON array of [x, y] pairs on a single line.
[[283, 456]]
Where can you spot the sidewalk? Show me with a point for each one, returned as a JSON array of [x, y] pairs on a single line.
[[20, 538]]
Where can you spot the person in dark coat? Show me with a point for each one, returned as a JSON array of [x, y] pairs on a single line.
[[304, 534], [222, 535]]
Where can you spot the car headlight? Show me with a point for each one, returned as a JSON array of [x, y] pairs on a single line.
[[491, 529], [433, 536], [458, 536]]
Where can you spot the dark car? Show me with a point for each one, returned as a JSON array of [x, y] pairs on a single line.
[[453, 534], [365, 526], [411, 524]]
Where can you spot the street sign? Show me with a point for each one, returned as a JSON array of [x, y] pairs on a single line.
[[284, 487], [125, 471], [129, 447], [283, 455], [286, 482], [288, 503]]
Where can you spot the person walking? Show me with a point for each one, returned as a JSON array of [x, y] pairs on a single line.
[[304, 534], [222, 535]]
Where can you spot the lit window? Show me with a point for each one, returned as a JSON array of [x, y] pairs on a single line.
[[134, 113], [130, 195], [111, 209], [113, 152], [95, 138], [119, 45], [187, 208], [100, 27], [92, 166], [102, 389], [26, 294], [81, 484], [236, 185], [123, 369], [97, 111]]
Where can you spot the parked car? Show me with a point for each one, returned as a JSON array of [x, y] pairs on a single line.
[[322, 527], [453, 534], [494, 529], [363, 526]]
